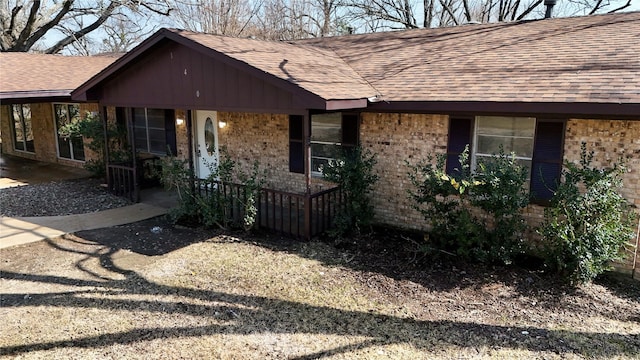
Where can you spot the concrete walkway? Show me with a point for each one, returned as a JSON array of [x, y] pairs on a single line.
[[23, 230], [17, 171]]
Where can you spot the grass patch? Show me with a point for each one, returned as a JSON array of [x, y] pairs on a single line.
[[245, 298]]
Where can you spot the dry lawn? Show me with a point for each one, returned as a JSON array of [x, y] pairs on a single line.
[[240, 298]]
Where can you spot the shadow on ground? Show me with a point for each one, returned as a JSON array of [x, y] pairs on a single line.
[[390, 254], [156, 236], [242, 314]]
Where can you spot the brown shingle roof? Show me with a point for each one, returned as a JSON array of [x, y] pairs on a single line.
[[29, 75], [314, 69], [581, 59], [591, 60]]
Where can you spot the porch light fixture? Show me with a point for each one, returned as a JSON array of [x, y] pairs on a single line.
[[222, 124], [179, 121]]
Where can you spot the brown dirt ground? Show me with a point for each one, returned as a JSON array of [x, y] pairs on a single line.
[[153, 290]]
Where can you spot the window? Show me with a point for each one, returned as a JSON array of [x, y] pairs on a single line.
[[512, 133], [329, 133], [69, 146], [154, 131], [537, 144], [326, 138], [22, 128]]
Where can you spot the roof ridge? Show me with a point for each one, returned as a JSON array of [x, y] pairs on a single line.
[[467, 25]]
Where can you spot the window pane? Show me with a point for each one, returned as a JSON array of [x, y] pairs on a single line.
[[506, 126], [139, 115], [490, 145], [74, 113], [23, 132], [18, 139], [526, 164], [324, 150], [64, 147], [66, 114], [155, 118], [326, 127], [61, 116], [157, 141], [140, 137], [78, 148], [316, 164]]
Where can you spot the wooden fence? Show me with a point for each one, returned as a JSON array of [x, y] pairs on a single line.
[[299, 215], [122, 181]]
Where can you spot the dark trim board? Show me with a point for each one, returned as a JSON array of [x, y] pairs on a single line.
[[564, 110], [26, 99], [218, 109]]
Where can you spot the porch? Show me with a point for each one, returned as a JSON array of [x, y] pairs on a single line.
[[298, 215]]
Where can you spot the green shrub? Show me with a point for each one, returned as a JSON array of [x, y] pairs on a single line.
[[475, 215], [588, 223], [91, 128], [353, 172], [213, 207], [177, 175]]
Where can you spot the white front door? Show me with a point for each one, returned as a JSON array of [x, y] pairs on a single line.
[[206, 144]]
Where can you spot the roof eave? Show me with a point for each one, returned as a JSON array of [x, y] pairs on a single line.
[[35, 96], [627, 110]]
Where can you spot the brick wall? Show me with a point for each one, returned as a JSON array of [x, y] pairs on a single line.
[[6, 122], [610, 140], [182, 138], [264, 137], [397, 138]]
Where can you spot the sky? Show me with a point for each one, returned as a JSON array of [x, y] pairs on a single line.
[[156, 23]]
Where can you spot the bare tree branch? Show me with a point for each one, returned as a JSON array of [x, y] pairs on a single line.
[[28, 27], [84, 31], [35, 36], [448, 10], [467, 13], [528, 10], [596, 7], [621, 7]]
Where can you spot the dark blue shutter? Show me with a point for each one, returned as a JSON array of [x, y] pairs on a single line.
[[547, 159], [296, 144], [460, 135], [170, 131], [350, 131]]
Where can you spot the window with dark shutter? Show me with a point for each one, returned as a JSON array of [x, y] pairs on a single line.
[[460, 135], [547, 159], [296, 144], [154, 130]]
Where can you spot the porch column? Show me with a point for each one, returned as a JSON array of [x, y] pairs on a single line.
[[105, 132], [307, 175], [131, 128]]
